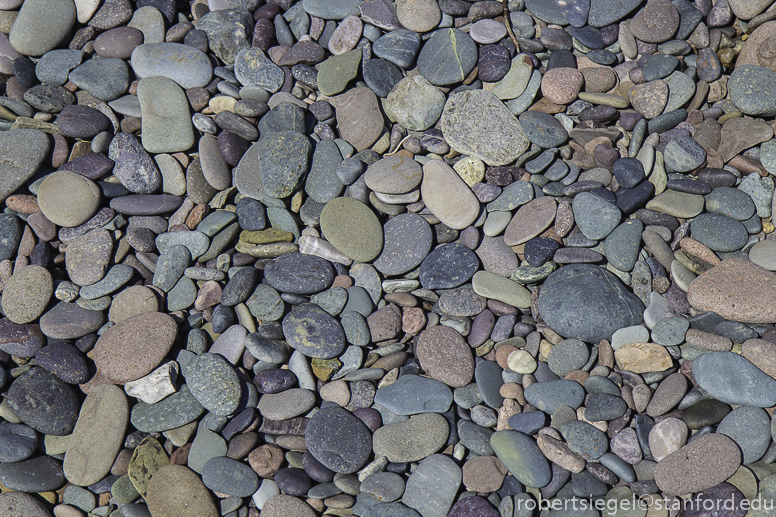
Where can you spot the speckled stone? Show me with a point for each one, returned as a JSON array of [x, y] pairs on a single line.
[[133, 348]]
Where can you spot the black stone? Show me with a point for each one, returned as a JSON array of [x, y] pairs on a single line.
[[539, 250], [448, 266]]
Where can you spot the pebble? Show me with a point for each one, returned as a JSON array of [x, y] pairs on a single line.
[[152, 332], [717, 454], [742, 283], [26, 294], [43, 402], [433, 485], [81, 203], [441, 185], [570, 293], [97, 437], [338, 440], [398, 251]]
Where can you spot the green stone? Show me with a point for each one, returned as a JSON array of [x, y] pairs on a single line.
[[337, 71], [266, 236], [353, 228], [496, 287], [149, 456], [531, 275], [522, 457], [677, 204], [325, 369], [123, 491]]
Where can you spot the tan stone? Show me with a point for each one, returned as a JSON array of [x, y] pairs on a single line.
[[559, 453], [643, 358], [737, 290], [484, 474], [761, 353]]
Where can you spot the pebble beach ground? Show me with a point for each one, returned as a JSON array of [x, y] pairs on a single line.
[[411, 258]]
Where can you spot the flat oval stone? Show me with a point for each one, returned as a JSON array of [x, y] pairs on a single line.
[[87, 257], [314, 332], [498, 143], [737, 290], [394, 175], [338, 440], [82, 122], [177, 491], [719, 232], [229, 476], [530, 221], [17, 442], [351, 227], [80, 203], [70, 321], [596, 217], [447, 196], [298, 273], [41, 474], [448, 266], [550, 395], [214, 383], [359, 118], [286, 405], [41, 25], [520, 454], [27, 293], [445, 356], [447, 45], [733, 379], [146, 204], [588, 303], [584, 439], [701, 464], [98, 435], [412, 395], [731, 202], [430, 432], [184, 64], [166, 123], [44, 402], [118, 42], [134, 347], [407, 241], [172, 412]]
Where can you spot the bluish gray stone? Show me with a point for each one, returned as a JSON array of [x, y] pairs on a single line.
[[412, 395], [586, 302], [447, 45], [750, 428], [214, 383], [520, 454], [550, 395], [106, 78], [184, 64], [596, 217], [733, 379]]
